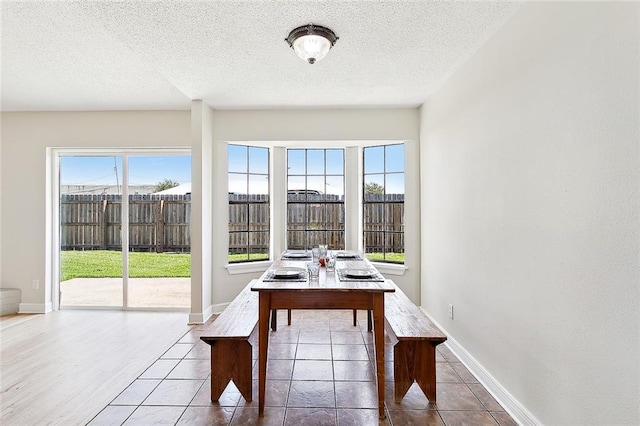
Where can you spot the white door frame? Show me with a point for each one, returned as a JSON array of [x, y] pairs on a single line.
[[52, 269]]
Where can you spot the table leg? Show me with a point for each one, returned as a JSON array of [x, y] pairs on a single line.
[[378, 338], [263, 343]]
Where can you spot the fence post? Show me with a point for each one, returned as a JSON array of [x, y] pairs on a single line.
[[160, 226], [104, 225], [397, 226]]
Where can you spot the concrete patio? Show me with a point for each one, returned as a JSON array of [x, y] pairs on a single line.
[[143, 292]]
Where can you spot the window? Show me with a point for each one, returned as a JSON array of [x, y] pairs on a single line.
[[248, 203], [315, 198], [383, 203]]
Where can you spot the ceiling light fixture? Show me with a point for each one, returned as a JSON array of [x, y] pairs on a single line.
[[311, 42]]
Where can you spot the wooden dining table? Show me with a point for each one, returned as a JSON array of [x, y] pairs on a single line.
[[329, 291]]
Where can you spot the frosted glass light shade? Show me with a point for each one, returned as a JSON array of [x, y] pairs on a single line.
[[311, 42], [312, 48]]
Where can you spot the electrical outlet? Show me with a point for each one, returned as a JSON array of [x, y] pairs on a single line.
[[450, 311], [35, 284]]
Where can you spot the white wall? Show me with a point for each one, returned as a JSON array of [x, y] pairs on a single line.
[[530, 173], [309, 126], [25, 137], [1, 191], [201, 212]]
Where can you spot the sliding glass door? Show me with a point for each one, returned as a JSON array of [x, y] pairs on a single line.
[[91, 255], [159, 237], [125, 230]]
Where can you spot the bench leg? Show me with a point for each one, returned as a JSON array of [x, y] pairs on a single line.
[[289, 316], [414, 361], [231, 360]]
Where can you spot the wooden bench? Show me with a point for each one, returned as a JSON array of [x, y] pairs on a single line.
[[415, 339], [231, 337]]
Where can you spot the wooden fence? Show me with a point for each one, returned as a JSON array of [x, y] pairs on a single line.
[[157, 223], [161, 223], [314, 219]]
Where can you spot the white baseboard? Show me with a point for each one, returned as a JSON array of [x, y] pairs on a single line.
[[511, 405], [35, 308], [201, 318], [196, 318], [216, 309]]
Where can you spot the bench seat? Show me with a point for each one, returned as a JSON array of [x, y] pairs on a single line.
[[231, 337], [415, 338]]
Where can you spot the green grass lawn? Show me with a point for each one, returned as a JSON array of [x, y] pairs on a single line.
[[243, 256], [106, 264], [390, 257]]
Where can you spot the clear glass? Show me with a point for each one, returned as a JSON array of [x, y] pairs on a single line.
[[90, 236], [159, 242], [295, 162], [334, 188], [383, 203], [315, 188], [258, 160], [259, 187], [315, 254], [248, 180], [259, 245], [315, 193], [322, 256], [374, 187], [313, 268], [315, 161], [237, 183], [316, 216], [394, 186], [330, 263], [237, 158], [335, 161], [296, 188], [374, 159], [394, 158]]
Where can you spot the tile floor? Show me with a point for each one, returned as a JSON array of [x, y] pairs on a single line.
[[319, 373]]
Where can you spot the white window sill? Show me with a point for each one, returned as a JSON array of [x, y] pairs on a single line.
[[248, 267], [389, 269]]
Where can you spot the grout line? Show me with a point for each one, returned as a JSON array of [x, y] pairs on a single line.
[[238, 405]]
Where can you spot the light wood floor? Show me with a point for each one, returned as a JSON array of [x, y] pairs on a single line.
[[65, 366]]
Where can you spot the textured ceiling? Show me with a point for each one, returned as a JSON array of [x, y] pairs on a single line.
[[106, 55]]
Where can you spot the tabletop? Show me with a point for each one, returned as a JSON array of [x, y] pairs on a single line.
[[327, 281]]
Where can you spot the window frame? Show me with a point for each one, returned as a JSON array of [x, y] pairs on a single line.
[[353, 187], [250, 200], [307, 200], [385, 203]]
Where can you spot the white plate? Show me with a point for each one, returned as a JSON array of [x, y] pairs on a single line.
[[296, 255], [358, 273], [287, 273], [346, 256]]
